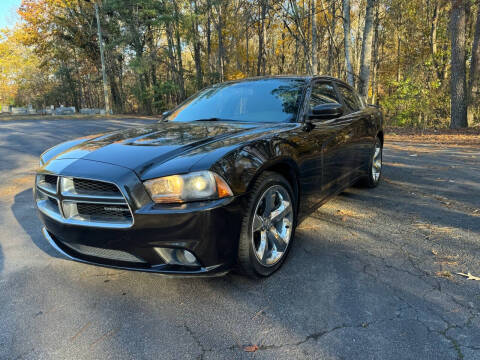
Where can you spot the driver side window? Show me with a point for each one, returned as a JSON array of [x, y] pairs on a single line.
[[322, 93], [351, 99]]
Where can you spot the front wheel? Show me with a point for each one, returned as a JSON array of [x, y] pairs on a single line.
[[268, 226]]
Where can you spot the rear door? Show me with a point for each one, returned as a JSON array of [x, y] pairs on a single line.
[[359, 119]]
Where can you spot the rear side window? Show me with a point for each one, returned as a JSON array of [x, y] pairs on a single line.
[[351, 99], [322, 93]]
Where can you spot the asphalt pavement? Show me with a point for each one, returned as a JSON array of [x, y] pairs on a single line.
[[373, 274]]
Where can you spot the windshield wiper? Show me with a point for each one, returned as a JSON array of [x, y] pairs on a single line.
[[214, 119]]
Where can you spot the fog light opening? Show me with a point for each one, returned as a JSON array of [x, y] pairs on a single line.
[[177, 256]]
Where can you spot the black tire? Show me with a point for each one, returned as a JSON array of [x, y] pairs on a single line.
[[248, 263], [370, 181]]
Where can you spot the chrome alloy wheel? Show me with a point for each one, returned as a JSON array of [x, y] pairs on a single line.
[[272, 225], [377, 161]]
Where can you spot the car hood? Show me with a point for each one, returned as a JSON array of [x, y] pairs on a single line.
[[143, 147]]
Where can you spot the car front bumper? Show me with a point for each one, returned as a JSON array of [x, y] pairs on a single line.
[[209, 230]]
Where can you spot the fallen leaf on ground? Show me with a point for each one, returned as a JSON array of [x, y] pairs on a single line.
[[434, 137], [469, 276], [251, 348], [444, 274], [446, 262], [435, 229], [444, 259], [260, 312], [345, 213]]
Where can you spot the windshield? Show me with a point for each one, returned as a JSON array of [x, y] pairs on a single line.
[[265, 100]]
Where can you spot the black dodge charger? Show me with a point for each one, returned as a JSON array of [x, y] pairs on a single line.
[[220, 183]]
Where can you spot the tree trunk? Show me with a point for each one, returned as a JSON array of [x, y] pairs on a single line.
[[433, 39], [197, 48], [247, 65], [458, 84], [282, 59], [296, 54], [220, 62], [399, 46], [118, 106], [331, 44], [261, 38], [178, 45], [474, 68], [209, 38], [171, 55], [433, 31], [80, 90], [375, 57], [314, 39], [347, 42], [366, 56]]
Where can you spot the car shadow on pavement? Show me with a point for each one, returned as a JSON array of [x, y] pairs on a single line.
[[26, 215]]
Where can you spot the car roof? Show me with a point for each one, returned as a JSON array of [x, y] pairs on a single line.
[[306, 78]]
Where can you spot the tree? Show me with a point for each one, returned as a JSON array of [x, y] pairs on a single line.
[[347, 42], [21, 80], [314, 38], [414, 55], [458, 83], [366, 55], [474, 67], [262, 9]]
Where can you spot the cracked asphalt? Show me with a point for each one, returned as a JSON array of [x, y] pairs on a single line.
[[371, 275]]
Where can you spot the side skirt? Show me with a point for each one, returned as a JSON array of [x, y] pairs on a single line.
[[303, 216]]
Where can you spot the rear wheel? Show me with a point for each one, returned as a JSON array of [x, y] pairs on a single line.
[[268, 226], [375, 166]]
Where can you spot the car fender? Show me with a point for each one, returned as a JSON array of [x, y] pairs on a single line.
[[241, 167]]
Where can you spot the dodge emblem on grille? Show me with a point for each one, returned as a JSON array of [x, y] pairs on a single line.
[[106, 208]]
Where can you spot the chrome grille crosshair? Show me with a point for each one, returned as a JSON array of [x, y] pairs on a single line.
[[80, 201]]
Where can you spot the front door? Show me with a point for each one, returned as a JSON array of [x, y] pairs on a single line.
[[333, 137]]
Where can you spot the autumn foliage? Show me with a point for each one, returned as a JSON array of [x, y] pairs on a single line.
[[158, 52]]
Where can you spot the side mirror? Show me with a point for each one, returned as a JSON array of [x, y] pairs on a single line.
[[326, 111], [165, 114]]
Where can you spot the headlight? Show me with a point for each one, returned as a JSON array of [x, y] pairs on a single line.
[[201, 185]]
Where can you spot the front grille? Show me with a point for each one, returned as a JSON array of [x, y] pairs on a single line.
[[51, 180], [104, 211], [47, 183], [52, 202], [92, 187], [112, 254], [81, 201]]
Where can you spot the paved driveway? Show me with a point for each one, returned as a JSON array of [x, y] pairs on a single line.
[[372, 274]]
